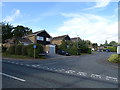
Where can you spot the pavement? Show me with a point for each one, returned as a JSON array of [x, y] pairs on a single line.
[[85, 71]]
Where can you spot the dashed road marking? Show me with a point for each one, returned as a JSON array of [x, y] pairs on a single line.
[[82, 73], [111, 78], [96, 76]]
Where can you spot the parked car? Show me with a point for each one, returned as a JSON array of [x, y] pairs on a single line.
[[107, 50], [62, 52], [43, 54]]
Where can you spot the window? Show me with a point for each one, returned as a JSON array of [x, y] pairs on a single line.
[[40, 38], [47, 39]]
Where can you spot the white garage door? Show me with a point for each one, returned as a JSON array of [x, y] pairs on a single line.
[[52, 49]]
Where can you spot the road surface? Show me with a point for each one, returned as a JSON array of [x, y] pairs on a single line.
[[85, 71]]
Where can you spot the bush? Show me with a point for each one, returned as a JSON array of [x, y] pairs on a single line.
[[112, 48], [11, 50], [4, 49], [18, 49], [38, 50], [73, 50], [24, 50], [114, 58], [89, 51]]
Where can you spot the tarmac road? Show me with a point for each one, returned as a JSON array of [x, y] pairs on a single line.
[[85, 71]]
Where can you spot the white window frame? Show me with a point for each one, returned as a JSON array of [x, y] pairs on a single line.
[[47, 39], [40, 38]]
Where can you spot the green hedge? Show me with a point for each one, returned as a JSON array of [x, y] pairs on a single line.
[[114, 58], [112, 48], [38, 50], [11, 50], [18, 49], [24, 51], [4, 49]]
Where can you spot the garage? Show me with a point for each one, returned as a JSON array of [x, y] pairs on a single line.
[[50, 49]]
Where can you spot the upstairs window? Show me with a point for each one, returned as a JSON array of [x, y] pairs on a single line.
[[40, 38], [47, 39]]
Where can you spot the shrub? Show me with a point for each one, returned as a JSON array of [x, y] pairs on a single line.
[[38, 50], [18, 49], [4, 49], [11, 50], [112, 48], [24, 50], [89, 51], [114, 58]]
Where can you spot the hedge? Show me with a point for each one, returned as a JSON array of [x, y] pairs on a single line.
[[112, 48], [11, 50], [18, 49], [24, 50], [38, 50]]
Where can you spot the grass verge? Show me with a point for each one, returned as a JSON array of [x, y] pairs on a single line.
[[20, 56], [115, 58]]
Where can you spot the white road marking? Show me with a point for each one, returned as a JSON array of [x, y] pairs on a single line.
[[111, 78], [13, 77], [82, 73], [70, 71], [96, 76], [27, 65]]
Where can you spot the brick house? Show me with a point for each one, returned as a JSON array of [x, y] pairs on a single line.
[[39, 37], [75, 39], [58, 40]]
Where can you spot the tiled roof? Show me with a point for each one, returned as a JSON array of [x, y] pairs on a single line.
[[59, 37], [75, 38], [25, 40]]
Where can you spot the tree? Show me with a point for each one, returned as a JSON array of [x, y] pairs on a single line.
[[113, 43], [6, 31], [106, 43], [20, 31], [95, 45]]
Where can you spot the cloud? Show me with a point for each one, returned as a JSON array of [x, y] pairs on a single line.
[[100, 4], [89, 27], [12, 17]]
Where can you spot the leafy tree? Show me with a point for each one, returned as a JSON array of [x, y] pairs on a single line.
[[106, 43], [20, 31], [6, 31], [95, 45], [113, 43]]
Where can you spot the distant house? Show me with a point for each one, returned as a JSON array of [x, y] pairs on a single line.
[[58, 40], [75, 39]]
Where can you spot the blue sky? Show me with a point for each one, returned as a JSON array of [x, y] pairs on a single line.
[[94, 21]]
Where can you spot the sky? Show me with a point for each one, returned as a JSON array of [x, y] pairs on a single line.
[[94, 21]]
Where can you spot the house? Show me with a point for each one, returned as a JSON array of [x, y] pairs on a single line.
[[13, 41], [76, 39], [40, 37], [58, 40]]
